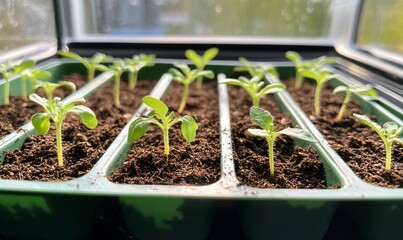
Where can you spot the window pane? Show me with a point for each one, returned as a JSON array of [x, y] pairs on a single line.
[[202, 18], [24, 22], [381, 25]]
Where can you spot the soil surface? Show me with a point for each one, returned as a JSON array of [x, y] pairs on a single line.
[[19, 111], [294, 167], [195, 163], [37, 160], [357, 144]]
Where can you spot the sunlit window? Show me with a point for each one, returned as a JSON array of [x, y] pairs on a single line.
[[198, 19], [381, 25], [24, 22]]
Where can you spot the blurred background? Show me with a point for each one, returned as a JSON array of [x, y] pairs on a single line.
[[24, 22]]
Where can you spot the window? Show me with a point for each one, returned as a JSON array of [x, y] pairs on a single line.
[[213, 19], [381, 26], [28, 25]]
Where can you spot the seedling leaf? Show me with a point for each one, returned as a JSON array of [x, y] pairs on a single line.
[[261, 117], [87, 116], [188, 128], [157, 105], [258, 132], [41, 122], [138, 128], [298, 133]]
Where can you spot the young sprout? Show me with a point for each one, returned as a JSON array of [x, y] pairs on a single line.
[[266, 121], [300, 65], [49, 87], [56, 110], [160, 117], [389, 133], [321, 77], [201, 61], [8, 71], [257, 70], [135, 64], [117, 69], [89, 64], [254, 87], [24, 70], [186, 76], [365, 90]]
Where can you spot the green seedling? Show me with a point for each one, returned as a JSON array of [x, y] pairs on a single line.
[[390, 132], [300, 65], [256, 70], [56, 110], [89, 64], [117, 69], [135, 64], [320, 77], [160, 117], [254, 87], [201, 61], [186, 76], [8, 71], [23, 69], [266, 121], [33, 76], [365, 90], [49, 87]]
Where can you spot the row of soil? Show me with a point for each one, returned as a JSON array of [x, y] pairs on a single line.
[[358, 145], [37, 159], [295, 167], [195, 163], [19, 111]]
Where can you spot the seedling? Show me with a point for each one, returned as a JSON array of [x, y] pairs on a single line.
[[49, 87], [56, 110], [159, 116], [135, 64], [389, 133], [186, 76], [89, 64], [23, 70], [321, 77], [254, 87], [33, 76], [117, 69], [201, 61], [266, 121], [256, 70], [8, 71], [300, 65], [365, 90]]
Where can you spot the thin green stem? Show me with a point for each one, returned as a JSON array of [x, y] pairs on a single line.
[[299, 80], [24, 94], [255, 100], [6, 91], [344, 106], [199, 83], [166, 141], [388, 149], [270, 142], [116, 91], [318, 92], [59, 143], [90, 74], [184, 97], [49, 94], [132, 80]]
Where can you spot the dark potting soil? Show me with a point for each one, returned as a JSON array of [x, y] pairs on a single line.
[[357, 144], [195, 163], [19, 111], [37, 160], [294, 167]]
